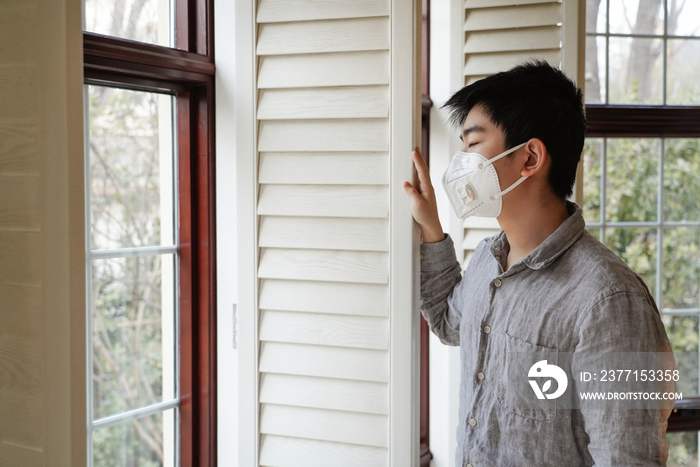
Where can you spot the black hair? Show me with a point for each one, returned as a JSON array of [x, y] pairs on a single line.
[[532, 100]]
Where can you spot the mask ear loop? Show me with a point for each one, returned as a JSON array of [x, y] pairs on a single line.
[[494, 159], [520, 180], [503, 154]]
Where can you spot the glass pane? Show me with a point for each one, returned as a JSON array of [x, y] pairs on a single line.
[[682, 449], [592, 153], [682, 179], [681, 266], [683, 69], [626, 17], [595, 69], [632, 178], [133, 333], [595, 232], [637, 248], [683, 18], [138, 20], [144, 442], [131, 168], [635, 70], [595, 15], [682, 332]]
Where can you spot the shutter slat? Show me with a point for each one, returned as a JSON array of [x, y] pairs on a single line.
[[493, 63], [360, 332], [324, 200], [22, 103], [325, 393], [324, 361], [310, 103], [20, 146], [22, 261], [329, 69], [324, 233], [322, 424], [324, 265], [473, 79], [547, 14], [324, 36], [19, 43], [20, 202], [324, 135], [515, 39], [474, 236], [20, 353], [283, 451], [497, 3], [325, 169], [301, 10], [325, 297], [475, 222], [21, 411]]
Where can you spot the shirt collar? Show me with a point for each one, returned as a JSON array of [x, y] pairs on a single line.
[[558, 241]]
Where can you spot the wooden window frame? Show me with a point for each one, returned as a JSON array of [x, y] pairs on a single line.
[[651, 121], [186, 71]]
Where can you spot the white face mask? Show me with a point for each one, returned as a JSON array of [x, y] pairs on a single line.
[[471, 183]]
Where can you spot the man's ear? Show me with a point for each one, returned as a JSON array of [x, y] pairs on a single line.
[[536, 157]]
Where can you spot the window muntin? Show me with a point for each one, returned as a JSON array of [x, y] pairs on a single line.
[[132, 277]]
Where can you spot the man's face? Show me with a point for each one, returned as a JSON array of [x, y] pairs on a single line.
[[480, 135]]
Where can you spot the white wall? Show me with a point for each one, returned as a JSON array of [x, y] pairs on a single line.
[[42, 235]]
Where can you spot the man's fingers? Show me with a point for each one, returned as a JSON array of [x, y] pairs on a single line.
[[421, 168], [411, 191], [421, 159]]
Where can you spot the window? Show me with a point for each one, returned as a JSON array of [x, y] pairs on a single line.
[[150, 232], [641, 166]]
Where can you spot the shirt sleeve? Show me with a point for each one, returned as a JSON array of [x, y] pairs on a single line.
[[625, 321], [440, 274]]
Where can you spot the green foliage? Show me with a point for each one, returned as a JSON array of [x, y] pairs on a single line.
[[123, 445], [683, 449]]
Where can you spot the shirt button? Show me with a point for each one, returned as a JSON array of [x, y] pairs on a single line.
[[487, 329], [421, 256], [497, 282], [480, 375], [472, 422], [470, 465]]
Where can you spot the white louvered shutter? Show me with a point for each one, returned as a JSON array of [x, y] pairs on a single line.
[[499, 34], [328, 328]]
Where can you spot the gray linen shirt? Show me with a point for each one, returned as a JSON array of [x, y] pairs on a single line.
[[571, 294]]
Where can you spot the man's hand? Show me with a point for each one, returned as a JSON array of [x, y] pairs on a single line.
[[423, 204]]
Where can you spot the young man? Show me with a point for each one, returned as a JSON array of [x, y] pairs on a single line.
[[542, 286]]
